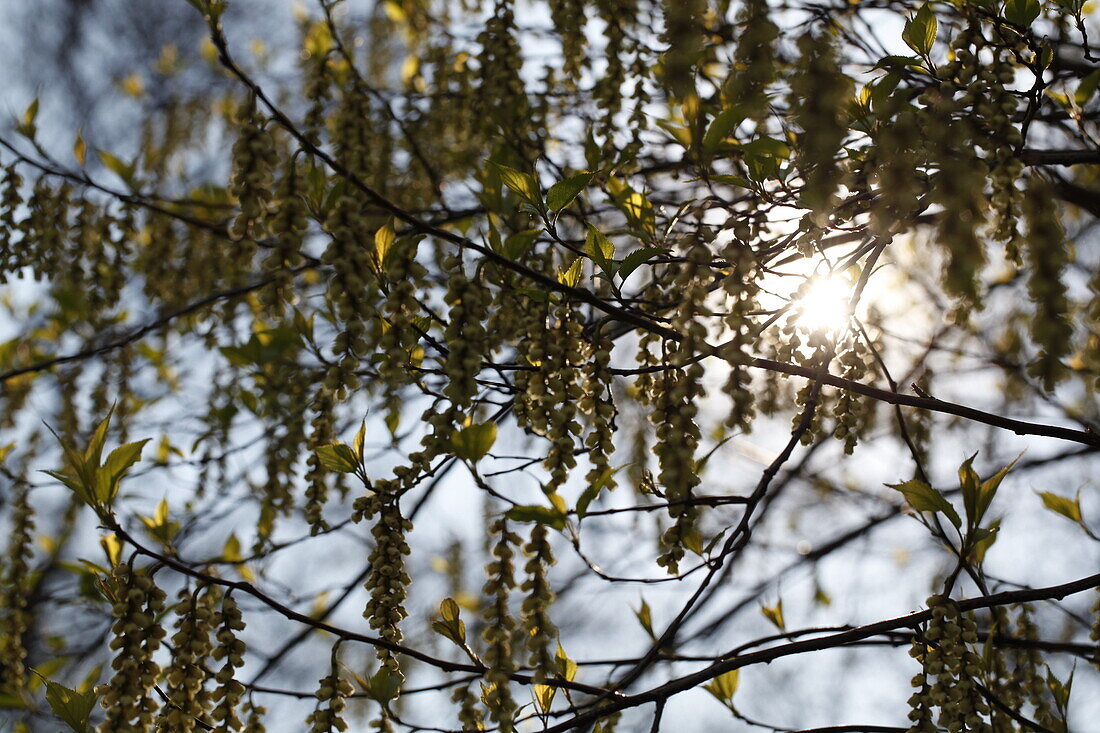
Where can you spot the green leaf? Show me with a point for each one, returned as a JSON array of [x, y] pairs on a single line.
[[924, 498], [1045, 57], [738, 181], [768, 146], [94, 452], [27, 126], [600, 249], [724, 686], [359, 440], [538, 514], [775, 615], [74, 484], [1068, 508], [1022, 12], [118, 166], [645, 618], [562, 193], [894, 62], [982, 539], [118, 463], [383, 243], [762, 156], [337, 457], [1073, 7], [523, 184], [720, 128], [544, 697], [637, 209], [516, 245], [448, 609], [970, 485], [882, 90], [593, 491], [451, 627], [473, 442], [920, 31], [1087, 88], [989, 488], [567, 668], [384, 685], [637, 258], [232, 550], [80, 150], [74, 708], [572, 275]]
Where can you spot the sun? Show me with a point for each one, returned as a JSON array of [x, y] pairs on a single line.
[[825, 305]]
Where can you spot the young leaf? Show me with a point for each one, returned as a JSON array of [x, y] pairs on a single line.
[[359, 440], [232, 550], [924, 498], [515, 245], [637, 258], [118, 166], [1022, 12], [600, 249], [27, 127], [920, 30], [572, 275], [80, 150], [523, 184], [775, 615], [473, 442], [562, 193], [337, 457], [383, 242], [567, 668], [118, 464], [112, 548], [74, 708], [384, 685], [720, 128], [544, 697], [589, 494], [645, 618], [539, 514], [1068, 508], [988, 489], [724, 686], [451, 627]]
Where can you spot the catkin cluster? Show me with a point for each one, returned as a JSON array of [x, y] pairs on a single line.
[[15, 589], [350, 291], [229, 650], [499, 627], [322, 433], [187, 698], [332, 693], [137, 604], [819, 95], [740, 286], [676, 404], [541, 632], [565, 353], [254, 159], [852, 413], [597, 404], [388, 581], [1048, 258], [951, 672]]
